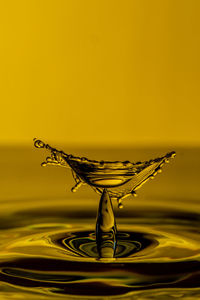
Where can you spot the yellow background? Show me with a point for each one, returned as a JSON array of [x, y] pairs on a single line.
[[104, 72]]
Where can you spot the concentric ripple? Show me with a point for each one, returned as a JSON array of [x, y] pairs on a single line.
[[50, 255]]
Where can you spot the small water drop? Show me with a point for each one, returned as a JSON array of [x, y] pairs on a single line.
[[133, 193], [83, 159], [39, 143], [120, 205]]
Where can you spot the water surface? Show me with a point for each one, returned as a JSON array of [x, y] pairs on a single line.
[[47, 234]]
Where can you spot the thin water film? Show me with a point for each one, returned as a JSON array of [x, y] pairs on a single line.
[[120, 178]]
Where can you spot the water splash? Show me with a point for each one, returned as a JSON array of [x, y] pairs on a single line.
[[121, 179], [113, 179]]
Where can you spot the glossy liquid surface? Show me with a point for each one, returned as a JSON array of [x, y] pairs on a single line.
[[47, 235]]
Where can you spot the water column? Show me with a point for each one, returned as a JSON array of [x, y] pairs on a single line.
[[106, 227]]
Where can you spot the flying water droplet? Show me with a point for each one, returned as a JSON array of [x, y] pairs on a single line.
[[38, 143]]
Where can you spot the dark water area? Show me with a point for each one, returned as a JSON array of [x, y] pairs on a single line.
[[47, 234]]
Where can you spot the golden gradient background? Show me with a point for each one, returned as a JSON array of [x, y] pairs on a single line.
[[89, 72], [108, 80]]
